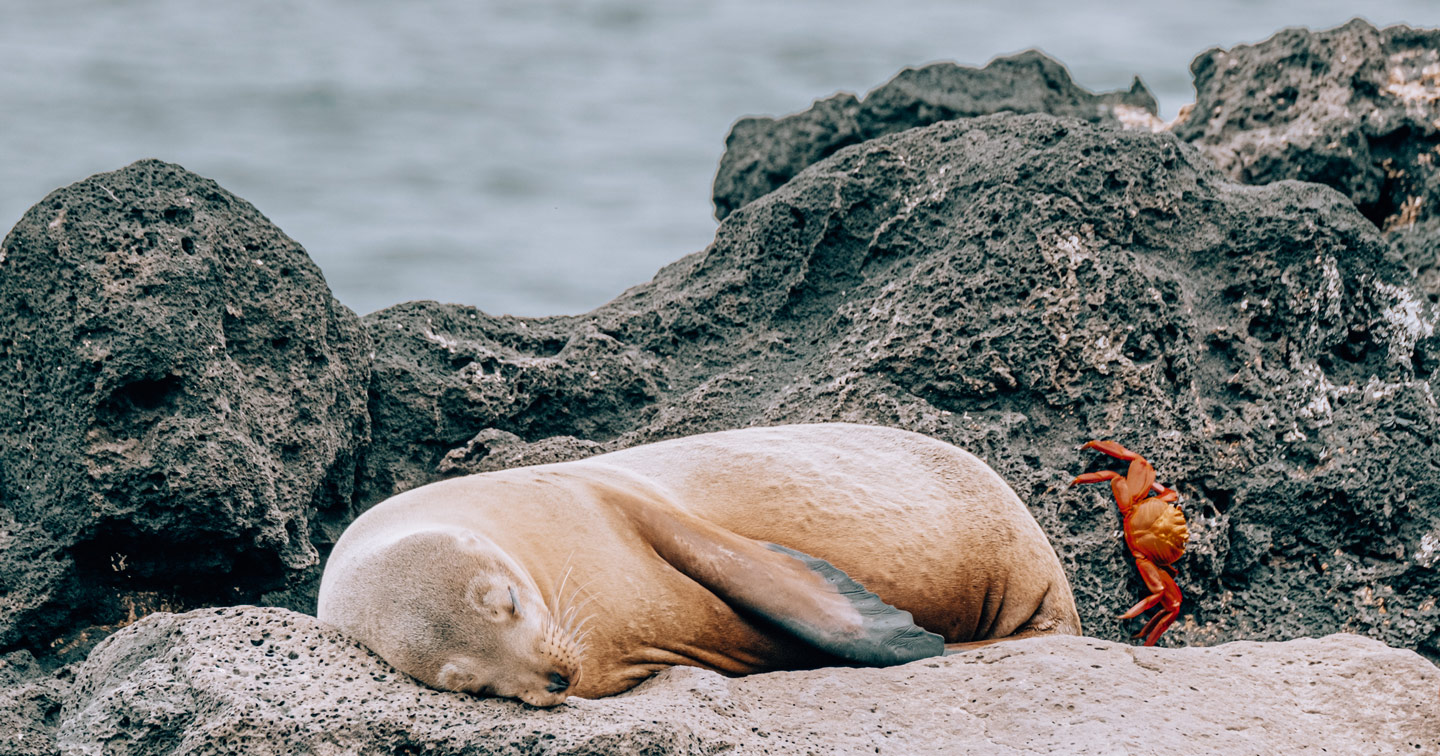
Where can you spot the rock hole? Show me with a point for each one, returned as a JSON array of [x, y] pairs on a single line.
[[144, 394]]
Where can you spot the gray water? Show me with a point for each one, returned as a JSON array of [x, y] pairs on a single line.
[[529, 157]]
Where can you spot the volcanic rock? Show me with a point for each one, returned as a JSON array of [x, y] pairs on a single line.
[[30, 705], [1354, 107], [1017, 285], [182, 401], [269, 681], [763, 153]]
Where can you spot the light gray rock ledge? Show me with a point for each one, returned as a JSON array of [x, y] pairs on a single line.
[[270, 681]]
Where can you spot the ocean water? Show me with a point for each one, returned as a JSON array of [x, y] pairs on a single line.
[[530, 157]]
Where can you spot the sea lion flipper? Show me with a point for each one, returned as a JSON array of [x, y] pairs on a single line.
[[808, 597], [890, 634]]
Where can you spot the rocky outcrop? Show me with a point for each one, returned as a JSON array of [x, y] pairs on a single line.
[[183, 405], [1017, 285], [269, 681], [184, 413], [763, 153], [1354, 107]]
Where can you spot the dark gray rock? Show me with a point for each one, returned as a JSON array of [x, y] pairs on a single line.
[[1418, 245], [443, 373], [763, 153], [1354, 107], [181, 406], [254, 681], [1018, 285]]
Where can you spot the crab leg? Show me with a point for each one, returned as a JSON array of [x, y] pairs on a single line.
[[1140, 478], [1163, 591]]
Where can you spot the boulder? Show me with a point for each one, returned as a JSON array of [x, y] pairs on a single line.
[[1016, 285], [268, 681], [763, 153], [1354, 107], [182, 403]]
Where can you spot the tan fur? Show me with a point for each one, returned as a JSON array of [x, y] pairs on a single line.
[[926, 526]]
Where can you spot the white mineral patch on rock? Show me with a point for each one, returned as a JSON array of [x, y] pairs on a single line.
[[1404, 323]]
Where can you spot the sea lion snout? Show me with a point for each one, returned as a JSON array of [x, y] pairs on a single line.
[[558, 683]]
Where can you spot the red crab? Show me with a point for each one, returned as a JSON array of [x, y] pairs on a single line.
[[1154, 530]]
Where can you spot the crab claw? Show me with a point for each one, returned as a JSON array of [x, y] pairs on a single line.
[[1095, 477], [1113, 449], [1132, 487]]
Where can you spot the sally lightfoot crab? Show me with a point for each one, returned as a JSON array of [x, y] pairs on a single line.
[[1155, 531]]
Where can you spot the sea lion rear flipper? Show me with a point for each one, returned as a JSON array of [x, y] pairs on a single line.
[[806, 596], [888, 635]]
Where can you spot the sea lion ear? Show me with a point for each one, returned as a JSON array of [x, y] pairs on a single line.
[[494, 601], [808, 597]]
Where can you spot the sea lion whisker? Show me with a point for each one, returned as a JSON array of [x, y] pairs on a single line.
[[559, 590], [570, 600], [571, 625], [567, 616], [580, 627]]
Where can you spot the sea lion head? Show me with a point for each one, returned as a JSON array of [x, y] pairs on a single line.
[[457, 613]]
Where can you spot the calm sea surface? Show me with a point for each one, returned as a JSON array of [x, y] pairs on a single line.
[[529, 157]]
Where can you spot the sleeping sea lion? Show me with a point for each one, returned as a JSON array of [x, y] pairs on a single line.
[[741, 551]]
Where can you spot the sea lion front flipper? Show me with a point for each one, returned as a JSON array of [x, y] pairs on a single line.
[[806, 596]]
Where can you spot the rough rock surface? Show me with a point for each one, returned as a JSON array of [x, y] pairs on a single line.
[[763, 153], [182, 399], [1418, 246], [30, 705], [269, 681], [1354, 107], [1016, 285]]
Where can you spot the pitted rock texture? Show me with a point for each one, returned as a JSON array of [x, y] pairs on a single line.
[[30, 705], [1016, 285], [1354, 107], [763, 153], [1419, 247], [182, 401], [268, 681]]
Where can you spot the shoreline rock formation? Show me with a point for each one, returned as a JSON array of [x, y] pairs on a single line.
[[190, 418], [266, 681], [763, 153], [184, 403], [1018, 285]]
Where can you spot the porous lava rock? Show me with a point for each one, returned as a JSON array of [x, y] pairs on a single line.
[[30, 704], [762, 153], [1016, 285], [181, 406], [1354, 107], [269, 681], [445, 373]]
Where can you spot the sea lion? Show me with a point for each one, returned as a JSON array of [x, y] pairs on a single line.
[[741, 551]]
